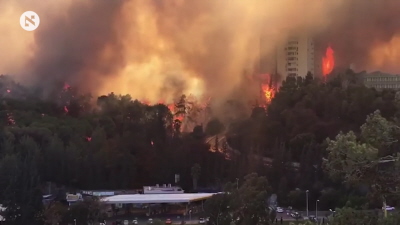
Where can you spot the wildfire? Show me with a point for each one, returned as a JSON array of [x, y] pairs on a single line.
[[328, 61], [268, 92], [267, 88]]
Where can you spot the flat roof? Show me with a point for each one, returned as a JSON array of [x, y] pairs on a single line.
[[156, 198]]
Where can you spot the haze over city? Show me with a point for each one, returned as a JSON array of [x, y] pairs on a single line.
[[156, 50], [217, 112]]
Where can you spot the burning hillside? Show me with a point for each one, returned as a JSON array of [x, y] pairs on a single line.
[[160, 49]]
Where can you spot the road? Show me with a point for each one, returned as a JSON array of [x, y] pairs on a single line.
[[176, 219], [195, 219]]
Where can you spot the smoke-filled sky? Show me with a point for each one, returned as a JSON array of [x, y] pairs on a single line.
[[158, 49]]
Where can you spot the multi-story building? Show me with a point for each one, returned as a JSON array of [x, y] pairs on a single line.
[[379, 80], [295, 57]]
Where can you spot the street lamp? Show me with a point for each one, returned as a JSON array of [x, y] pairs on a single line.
[[316, 209], [237, 183], [307, 201]]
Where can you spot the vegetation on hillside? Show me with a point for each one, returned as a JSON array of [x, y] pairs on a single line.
[[121, 143]]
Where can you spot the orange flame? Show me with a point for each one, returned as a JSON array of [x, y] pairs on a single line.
[[267, 88], [328, 61], [268, 92]]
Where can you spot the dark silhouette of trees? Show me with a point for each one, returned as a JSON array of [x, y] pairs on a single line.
[[121, 143]]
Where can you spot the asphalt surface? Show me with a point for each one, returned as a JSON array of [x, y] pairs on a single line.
[[176, 219], [194, 219]]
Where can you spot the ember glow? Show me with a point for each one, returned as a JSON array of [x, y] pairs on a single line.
[[268, 91], [328, 61], [267, 88], [10, 119], [66, 86]]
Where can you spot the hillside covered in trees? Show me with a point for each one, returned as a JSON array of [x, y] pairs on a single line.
[[122, 143]]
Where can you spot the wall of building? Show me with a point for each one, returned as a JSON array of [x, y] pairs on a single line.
[[379, 80], [296, 57]]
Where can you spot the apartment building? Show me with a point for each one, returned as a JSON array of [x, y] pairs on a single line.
[[295, 57]]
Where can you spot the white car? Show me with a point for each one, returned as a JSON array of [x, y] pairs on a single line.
[[202, 221], [279, 210], [135, 221], [126, 222], [389, 208]]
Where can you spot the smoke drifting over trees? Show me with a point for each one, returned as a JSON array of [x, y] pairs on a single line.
[[157, 49]]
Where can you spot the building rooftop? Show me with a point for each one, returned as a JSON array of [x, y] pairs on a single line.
[[156, 198]]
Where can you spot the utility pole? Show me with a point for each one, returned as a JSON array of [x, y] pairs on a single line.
[[237, 183], [307, 202]]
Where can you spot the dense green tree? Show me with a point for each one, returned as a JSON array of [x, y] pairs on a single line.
[[20, 184], [218, 209], [214, 127], [349, 216], [245, 205], [367, 161], [54, 213], [84, 212]]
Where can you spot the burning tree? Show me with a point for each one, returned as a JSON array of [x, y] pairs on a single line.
[[267, 88], [328, 61]]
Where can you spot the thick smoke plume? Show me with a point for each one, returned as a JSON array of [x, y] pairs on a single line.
[[366, 34], [158, 49]]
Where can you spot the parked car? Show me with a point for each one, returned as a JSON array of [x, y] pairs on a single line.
[[150, 221], [126, 222], [168, 221], [279, 210], [295, 215], [389, 208], [135, 221], [202, 221]]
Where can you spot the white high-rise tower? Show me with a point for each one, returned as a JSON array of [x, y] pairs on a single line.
[[297, 57]]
